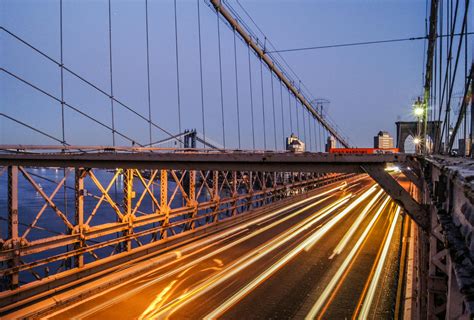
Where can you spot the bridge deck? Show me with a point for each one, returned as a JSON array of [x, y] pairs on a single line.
[[140, 158]]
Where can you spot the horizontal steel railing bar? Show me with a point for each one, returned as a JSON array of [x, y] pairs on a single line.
[[110, 242], [39, 289], [103, 244], [109, 228]]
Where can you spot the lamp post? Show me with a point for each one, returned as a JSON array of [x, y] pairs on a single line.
[[419, 110]]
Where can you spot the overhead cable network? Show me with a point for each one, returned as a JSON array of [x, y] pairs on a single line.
[[353, 44]]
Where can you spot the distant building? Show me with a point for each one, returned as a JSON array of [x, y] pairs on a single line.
[[294, 144], [383, 140], [331, 143]]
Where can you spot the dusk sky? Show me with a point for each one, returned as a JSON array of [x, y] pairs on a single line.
[[369, 87]]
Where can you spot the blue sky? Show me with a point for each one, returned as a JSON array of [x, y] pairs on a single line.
[[370, 87]]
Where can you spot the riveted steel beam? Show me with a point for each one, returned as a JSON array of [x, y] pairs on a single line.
[[414, 209]]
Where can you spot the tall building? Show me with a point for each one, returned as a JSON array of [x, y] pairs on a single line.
[[331, 143], [294, 144], [383, 140]]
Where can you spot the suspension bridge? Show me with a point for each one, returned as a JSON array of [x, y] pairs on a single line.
[[184, 199]]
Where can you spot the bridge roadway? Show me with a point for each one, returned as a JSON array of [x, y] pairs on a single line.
[[332, 256]]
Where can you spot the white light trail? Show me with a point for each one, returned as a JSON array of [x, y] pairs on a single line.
[[310, 241], [200, 245], [369, 297], [348, 235], [337, 276], [249, 259], [341, 215]]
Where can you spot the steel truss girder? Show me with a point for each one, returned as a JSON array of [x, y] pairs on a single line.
[[229, 195]]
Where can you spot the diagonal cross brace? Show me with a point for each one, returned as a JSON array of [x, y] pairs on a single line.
[[415, 179], [415, 210]]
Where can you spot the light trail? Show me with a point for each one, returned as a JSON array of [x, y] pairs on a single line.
[[335, 279], [367, 304], [348, 235], [211, 241], [341, 215], [310, 241], [267, 273], [247, 260]]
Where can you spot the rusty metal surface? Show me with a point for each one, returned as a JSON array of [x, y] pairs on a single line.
[[102, 228]]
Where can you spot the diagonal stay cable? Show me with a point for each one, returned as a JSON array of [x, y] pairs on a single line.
[[67, 104], [86, 81], [34, 129]]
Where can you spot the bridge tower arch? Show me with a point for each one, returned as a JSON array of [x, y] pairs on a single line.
[[409, 128]]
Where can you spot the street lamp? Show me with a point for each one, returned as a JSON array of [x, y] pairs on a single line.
[[418, 108]]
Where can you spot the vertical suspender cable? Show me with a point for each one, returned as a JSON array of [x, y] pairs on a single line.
[[200, 72], [274, 114], [309, 129], [449, 57], [111, 74], [424, 44], [289, 108], [440, 75], [220, 76], [454, 73], [263, 106], [434, 84], [62, 102], [177, 64], [297, 118], [304, 126], [148, 68], [251, 99], [61, 69], [465, 77], [282, 115], [237, 88]]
